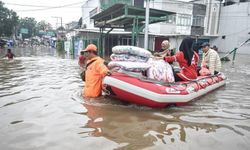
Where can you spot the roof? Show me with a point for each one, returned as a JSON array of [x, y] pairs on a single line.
[[122, 16], [105, 31]]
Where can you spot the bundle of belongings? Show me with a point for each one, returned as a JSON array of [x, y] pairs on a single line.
[[160, 70], [138, 60]]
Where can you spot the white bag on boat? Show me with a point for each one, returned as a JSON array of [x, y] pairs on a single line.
[[129, 66], [128, 57], [160, 71], [125, 49]]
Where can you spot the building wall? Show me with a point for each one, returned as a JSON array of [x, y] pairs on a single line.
[[199, 12], [234, 28], [179, 24], [150, 42], [212, 17], [87, 7], [175, 42]]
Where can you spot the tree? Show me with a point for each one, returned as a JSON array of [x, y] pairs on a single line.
[[27, 23], [8, 19], [44, 26]]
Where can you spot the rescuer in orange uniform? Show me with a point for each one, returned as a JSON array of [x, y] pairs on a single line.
[[95, 71]]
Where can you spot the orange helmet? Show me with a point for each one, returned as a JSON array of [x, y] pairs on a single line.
[[90, 47]]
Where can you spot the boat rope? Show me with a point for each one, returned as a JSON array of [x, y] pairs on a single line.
[[170, 84]]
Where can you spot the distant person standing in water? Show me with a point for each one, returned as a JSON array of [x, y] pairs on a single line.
[[9, 54], [82, 59]]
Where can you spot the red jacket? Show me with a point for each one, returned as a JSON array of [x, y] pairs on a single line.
[[82, 60], [187, 72]]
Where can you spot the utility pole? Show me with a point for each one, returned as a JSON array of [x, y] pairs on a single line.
[[56, 21], [146, 25]]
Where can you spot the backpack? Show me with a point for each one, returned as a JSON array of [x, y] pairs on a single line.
[[83, 74]]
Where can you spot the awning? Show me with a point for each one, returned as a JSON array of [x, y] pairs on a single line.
[[123, 16]]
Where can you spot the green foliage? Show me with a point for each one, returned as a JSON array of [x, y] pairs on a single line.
[[28, 23], [43, 28], [60, 45], [8, 19], [43, 25]]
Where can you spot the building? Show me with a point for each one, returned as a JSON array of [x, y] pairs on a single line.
[[234, 26], [188, 19], [71, 25]]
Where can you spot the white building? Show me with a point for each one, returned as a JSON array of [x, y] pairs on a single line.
[[189, 20], [234, 27], [212, 17], [89, 9]]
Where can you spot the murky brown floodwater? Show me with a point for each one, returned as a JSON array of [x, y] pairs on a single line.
[[41, 108]]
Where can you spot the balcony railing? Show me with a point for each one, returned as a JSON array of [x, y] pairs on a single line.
[[107, 3]]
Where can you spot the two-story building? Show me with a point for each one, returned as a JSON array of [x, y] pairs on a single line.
[[187, 19]]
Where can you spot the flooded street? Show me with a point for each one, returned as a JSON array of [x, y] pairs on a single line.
[[41, 108]]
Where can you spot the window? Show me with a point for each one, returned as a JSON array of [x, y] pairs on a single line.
[[126, 41], [198, 21], [184, 20], [171, 19]]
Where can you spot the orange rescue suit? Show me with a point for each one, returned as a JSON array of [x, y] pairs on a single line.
[[93, 79]]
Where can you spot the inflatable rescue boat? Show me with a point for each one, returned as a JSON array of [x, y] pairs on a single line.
[[140, 90]]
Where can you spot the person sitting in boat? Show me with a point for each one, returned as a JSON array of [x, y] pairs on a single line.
[[164, 51], [210, 59], [187, 59], [95, 71], [9, 54], [215, 48]]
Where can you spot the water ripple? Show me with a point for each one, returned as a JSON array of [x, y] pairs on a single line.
[[42, 108]]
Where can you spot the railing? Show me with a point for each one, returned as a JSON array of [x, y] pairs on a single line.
[[107, 3]]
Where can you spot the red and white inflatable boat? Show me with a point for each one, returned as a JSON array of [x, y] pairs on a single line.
[[154, 94]]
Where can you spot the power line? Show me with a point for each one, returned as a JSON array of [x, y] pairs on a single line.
[[26, 5], [237, 32], [183, 2], [53, 7], [41, 6], [28, 10]]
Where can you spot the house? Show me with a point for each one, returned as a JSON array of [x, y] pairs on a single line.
[[183, 19]]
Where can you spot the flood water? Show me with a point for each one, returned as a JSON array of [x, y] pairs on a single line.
[[41, 108]]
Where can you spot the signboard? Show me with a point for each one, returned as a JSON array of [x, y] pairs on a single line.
[[80, 47], [24, 31], [76, 46], [50, 33], [67, 46]]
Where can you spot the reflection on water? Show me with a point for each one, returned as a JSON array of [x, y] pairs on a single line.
[[137, 129], [41, 108]]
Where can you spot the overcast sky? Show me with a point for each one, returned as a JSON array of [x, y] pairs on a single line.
[[68, 14]]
